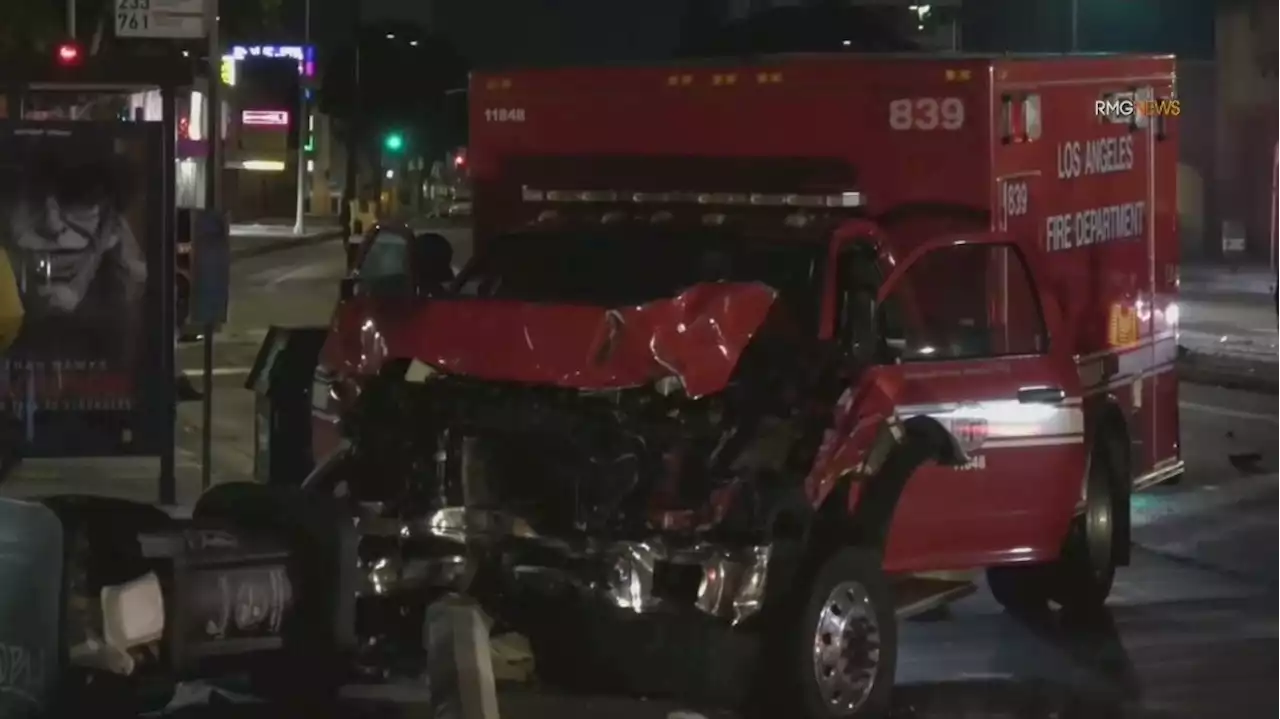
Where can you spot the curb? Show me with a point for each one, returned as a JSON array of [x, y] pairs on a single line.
[[270, 246], [1229, 294], [1248, 375]]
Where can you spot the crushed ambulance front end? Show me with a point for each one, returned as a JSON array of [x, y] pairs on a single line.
[[598, 405]]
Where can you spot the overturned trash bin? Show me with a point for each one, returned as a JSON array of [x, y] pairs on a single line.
[[281, 379], [255, 590], [31, 551]]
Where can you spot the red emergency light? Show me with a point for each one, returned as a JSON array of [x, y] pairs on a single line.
[[265, 118], [68, 54]]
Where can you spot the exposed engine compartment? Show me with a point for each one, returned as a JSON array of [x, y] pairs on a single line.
[[626, 493], [612, 464]]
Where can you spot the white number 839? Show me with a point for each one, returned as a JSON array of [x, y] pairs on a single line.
[[926, 113]]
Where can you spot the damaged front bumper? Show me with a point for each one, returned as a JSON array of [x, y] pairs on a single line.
[[727, 583]]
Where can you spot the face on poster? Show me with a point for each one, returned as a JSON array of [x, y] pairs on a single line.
[[74, 221]]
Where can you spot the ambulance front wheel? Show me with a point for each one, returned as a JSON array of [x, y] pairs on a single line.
[[1081, 578], [836, 648]]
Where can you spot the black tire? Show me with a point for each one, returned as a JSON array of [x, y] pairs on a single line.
[[855, 574], [1023, 591], [1080, 579]]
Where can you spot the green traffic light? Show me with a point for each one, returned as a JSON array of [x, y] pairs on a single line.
[[394, 142]]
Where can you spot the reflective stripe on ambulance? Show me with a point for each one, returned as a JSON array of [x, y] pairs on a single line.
[[1118, 367], [1006, 424]]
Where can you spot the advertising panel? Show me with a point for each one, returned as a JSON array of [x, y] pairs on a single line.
[[81, 219]]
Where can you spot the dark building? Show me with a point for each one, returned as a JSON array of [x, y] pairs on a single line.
[[1182, 28]]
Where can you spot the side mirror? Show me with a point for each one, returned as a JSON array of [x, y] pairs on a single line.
[[346, 288]]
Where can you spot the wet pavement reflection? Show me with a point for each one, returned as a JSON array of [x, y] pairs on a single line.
[[1205, 652], [1194, 659], [1094, 677]]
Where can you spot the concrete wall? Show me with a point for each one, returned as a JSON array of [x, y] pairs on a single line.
[[1198, 216]]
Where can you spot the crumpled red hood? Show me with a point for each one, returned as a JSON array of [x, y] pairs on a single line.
[[697, 336]]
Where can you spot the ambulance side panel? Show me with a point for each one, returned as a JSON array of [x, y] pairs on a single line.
[[907, 130], [1098, 195]]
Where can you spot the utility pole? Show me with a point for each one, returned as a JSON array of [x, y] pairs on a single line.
[[304, 125], [1075, 25], [354, 129], [213, 203]]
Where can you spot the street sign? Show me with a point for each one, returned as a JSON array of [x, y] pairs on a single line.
[[211, 269], [175, 19]]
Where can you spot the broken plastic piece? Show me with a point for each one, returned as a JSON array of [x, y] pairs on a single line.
[[133, 612], [93, 654]]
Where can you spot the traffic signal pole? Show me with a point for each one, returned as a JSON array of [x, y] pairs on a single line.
[[71, 19], [304, 126]]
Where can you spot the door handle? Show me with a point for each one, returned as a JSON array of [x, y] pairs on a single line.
[[1041, 395]]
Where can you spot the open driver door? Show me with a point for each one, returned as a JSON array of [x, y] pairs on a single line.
[[977, 352]]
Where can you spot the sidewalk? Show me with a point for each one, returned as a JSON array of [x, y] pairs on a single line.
[[138, 478], [255, 239], [1225, 282], [1228, 325]]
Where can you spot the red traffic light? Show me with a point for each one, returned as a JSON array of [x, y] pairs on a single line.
[[68, 54]]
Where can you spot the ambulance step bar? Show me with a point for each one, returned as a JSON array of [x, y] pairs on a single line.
[[914, 596]]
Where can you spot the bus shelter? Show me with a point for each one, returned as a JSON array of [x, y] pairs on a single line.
[[87, 216]]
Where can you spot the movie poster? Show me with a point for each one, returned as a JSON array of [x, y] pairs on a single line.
[[80, 219]]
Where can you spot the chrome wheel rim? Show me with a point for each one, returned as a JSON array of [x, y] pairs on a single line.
[[846, 649]]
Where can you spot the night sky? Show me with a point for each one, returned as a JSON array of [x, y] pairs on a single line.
[[530, 32], [501, 32]]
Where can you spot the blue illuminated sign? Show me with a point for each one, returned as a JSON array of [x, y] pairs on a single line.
[[304, 54]]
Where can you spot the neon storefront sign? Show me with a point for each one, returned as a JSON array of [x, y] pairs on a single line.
[[305, 55], [264, 118]]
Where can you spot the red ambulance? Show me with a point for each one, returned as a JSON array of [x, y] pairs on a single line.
[[949, 284]]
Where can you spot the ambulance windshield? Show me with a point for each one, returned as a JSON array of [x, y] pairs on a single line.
[[625, 267]]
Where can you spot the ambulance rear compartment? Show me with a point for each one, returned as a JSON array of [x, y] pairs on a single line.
[[903, 130], [1097, 191]]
